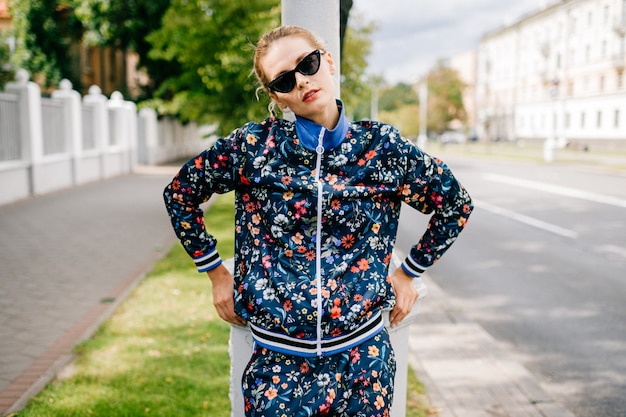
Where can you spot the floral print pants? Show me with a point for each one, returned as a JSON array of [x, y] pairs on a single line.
[[355, 383]]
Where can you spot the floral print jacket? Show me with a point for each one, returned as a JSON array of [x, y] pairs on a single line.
[[315, 231]]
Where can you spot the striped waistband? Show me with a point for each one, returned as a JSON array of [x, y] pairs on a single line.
[[325, 347]]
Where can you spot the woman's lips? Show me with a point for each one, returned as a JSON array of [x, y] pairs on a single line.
[[309, 95]]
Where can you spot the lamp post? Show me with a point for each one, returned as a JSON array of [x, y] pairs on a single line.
[[423, 96], [549, 146]]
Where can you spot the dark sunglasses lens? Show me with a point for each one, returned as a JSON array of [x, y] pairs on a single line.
[[284, 83], [310, 64]]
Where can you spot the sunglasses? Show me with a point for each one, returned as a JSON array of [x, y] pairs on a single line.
[[285, 82]]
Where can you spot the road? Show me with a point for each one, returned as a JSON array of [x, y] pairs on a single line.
[[542, 268]]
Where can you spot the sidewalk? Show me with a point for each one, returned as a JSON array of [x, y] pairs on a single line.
[[465, 371], [67, 259]]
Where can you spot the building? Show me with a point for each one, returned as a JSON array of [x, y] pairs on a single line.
[[5, 16], [465, 66], [556, 74]]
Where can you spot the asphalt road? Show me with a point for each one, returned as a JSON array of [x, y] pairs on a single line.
[[542, 268]]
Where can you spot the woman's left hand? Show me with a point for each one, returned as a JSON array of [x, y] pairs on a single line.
[[406, 296]]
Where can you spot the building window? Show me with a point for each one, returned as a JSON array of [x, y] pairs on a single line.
[[567, 120], [599, 120], [616, 121], [582, 120], [602, 83]]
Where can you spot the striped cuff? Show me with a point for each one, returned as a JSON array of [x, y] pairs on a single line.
[[412, 268], [208, 262]]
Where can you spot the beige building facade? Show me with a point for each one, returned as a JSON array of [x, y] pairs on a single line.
[[556, 74]]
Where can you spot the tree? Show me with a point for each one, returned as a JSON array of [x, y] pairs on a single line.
[[6, 72], [213, 42], [445, 97], [46, 32], [125, 25], [397, 96]]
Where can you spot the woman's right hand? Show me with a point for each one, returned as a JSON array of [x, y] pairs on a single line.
[[223, 295]]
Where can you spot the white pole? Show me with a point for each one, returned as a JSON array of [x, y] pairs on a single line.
[[320, 17], [423, 93]]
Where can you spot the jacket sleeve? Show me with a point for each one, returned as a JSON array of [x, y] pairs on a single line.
[[213, 171], [430, 187]]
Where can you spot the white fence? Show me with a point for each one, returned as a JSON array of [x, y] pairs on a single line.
[[47, 144]]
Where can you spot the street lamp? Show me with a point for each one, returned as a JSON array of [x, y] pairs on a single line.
[[423, 95], [549, 146]]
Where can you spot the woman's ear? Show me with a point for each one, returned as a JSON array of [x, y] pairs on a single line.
[[331, 62]]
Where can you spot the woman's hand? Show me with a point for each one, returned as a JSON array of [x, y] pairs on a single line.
[[406, 295], [223, 299]]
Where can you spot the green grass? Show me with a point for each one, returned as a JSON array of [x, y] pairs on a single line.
[[164, 352]]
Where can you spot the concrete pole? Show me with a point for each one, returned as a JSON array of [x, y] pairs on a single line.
[[320, 17], [423, 92], [99, 124], [73, 124], [31, 123]]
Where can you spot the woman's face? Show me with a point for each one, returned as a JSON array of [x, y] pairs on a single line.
[[313, 96]]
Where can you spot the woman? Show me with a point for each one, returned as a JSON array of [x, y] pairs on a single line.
[[317, 208]]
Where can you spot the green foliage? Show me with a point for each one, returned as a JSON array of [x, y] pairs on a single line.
[[125, 25], [212, 41], [445, 97], [46, 32], [6, 72], [399, 104], [355, 88], [397, 96], [405, 117]]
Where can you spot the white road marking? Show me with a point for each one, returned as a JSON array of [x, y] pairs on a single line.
[[557, 189], [616, 250], [531, 221]]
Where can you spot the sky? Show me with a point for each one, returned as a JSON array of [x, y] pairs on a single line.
[[412, 35]]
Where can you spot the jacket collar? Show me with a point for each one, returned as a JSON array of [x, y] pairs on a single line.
[[308, 131]]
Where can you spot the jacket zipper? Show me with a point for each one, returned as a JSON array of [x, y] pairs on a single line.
[[318, 240]]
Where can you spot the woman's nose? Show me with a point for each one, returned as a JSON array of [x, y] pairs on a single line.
[[301, 79]]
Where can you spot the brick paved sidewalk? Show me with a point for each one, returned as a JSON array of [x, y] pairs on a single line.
[[466, 372], [66, 260]]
